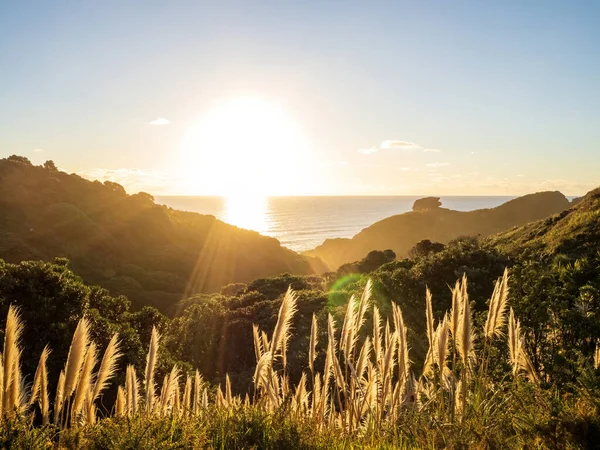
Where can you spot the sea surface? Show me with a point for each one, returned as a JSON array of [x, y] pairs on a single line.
[[302, 223]]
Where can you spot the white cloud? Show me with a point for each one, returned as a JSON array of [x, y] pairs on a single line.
[[38, 150], [392, 144], [437, 164], [473, 153], [160, 121], [403, 145]]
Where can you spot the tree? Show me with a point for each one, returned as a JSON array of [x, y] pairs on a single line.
[[49, 165], [19, 159]]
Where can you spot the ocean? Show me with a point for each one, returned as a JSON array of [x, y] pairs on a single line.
[[302, 223]]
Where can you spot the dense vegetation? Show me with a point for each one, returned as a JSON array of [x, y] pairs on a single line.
[[553, 289], [127, 243]]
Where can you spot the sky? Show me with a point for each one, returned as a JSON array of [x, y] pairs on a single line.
[[303, 98]]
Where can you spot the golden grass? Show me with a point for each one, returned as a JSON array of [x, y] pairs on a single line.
[[365, 384]]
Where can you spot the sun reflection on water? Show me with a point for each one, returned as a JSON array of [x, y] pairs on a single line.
[[248, 212]]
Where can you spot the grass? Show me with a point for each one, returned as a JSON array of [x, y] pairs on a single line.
[[366, 394]]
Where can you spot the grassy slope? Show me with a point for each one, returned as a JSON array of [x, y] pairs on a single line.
[[574, 232]]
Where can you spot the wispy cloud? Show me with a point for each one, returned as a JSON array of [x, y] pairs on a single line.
[[437, 164], [403, 145], [160, 121], [392, 144], [38, 150]]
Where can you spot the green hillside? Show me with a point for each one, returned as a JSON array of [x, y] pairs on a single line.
[[127, 243], [574, 233]]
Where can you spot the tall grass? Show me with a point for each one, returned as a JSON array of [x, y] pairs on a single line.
[[366, 387]]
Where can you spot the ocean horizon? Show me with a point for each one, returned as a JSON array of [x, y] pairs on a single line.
[[304, 222]]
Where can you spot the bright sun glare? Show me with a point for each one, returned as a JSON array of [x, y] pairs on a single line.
[[244, 147]]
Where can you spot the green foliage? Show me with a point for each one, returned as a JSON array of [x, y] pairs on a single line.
[[152, 254]]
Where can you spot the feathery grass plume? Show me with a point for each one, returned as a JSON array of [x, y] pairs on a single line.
[[429, 316], [497, 310], [597, 356], [442, 344], [363, 358], [219, 398], [316, 394], [465, 336], [228, 394], [527, 365], [284, 321], [387, 369], [171, 389], [489, 323], [363, 305], [348, 332], [455, 313], [261, 372], [120, 404], [205, 399], [337, 371], [258, 347], [131, 390], [429, 358], [187, 396], [265, 341], [76, 357], [163, 398], [403, 361], [40, 375], [41, 392], [518, 356], [312, 348], [513, 342], [128, 391], [60, 396], [150, 365], [84, 384], [11, 361], [176, 402], [108, 366], [376, 334], [300, 397], [197, 386]]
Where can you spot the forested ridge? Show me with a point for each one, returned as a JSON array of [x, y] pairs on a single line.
[[153, 254]]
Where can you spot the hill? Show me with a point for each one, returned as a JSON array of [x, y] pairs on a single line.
[[574, 233], [429, 221], [127, 243]]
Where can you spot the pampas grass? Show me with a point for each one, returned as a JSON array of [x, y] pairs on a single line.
[[108, 366], [76, 356], [366, 384], [150, 365], [11, 363]]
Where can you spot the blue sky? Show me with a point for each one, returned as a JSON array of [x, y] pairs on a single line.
[[389, 98]]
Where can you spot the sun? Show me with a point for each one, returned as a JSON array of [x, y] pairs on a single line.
[[244, 147]]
